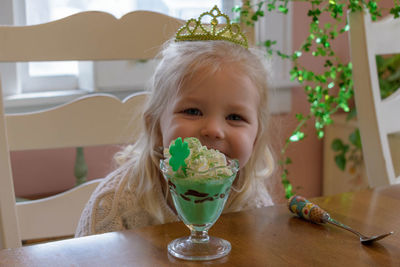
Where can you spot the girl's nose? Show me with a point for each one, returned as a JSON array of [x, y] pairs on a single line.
[[213, 128]]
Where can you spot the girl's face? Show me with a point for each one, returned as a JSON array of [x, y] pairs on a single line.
[[221, 111]]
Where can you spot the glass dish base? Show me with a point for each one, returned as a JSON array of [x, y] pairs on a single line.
[[187, 249]]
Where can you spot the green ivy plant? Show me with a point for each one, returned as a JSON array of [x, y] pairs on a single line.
[[389, 81], [388, 73], [329, 89], [348, 152]]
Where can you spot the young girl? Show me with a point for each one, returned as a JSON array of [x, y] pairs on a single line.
[[215, 90]]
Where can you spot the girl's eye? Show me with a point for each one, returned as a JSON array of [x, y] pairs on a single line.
[[235, 117], [192, 112]]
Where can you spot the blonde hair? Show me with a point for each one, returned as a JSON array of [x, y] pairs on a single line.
[[179, 61]]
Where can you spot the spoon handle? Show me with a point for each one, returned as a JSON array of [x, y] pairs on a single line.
[[312, 212], [307, 210]]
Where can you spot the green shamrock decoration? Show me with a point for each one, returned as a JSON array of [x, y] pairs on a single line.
[[179, 152]]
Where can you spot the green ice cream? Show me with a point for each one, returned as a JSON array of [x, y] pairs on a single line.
[[201, 185]]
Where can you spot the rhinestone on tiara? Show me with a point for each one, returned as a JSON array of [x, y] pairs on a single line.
[[194, 30]]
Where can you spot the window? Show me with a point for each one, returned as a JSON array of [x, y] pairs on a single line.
[[65, 75], [25, 84]]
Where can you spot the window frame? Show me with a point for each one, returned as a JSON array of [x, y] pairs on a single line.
[[41, 94]]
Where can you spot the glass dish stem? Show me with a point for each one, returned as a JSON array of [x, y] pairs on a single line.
[[199, 236]]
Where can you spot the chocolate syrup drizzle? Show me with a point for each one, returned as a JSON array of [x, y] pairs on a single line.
[[203, 196], [195, 193]]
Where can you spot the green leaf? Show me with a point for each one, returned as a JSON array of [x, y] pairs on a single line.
[[288, 191], [254, 17], [345, 148], [340, 161], [345, 29], [297, 136], [260, 13], [337, 144], [269, 43], [283, 9], [271, 6], [236, 8], [395, 11], [355, 138], [299, 116]]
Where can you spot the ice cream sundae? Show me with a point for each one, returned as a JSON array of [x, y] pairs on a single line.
[[199, 180]]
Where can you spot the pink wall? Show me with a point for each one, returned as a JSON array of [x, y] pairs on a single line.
[[305, 173], [45, 172]]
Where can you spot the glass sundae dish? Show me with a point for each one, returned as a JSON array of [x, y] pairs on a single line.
[[199, 180]]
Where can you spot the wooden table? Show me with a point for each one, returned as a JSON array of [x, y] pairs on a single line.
[[263, 237]]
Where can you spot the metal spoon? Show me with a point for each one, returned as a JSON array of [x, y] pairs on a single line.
[[311, 212]]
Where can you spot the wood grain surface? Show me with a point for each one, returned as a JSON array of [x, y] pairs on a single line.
[[269, 236]]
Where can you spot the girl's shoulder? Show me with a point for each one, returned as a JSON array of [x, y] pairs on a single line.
[[110, 202], [115, 183], [101, 212]]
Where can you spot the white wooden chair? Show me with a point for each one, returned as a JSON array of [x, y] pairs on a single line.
[[377, 118], [91, 120]]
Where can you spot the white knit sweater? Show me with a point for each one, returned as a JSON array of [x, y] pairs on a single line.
[[113, 207]]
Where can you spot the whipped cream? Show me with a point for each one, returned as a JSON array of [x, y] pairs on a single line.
[[201, 162]]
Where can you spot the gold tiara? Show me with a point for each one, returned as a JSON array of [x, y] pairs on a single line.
[[194, 30]]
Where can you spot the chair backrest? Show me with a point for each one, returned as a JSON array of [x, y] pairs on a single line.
[[92, 120], [377, 118]]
